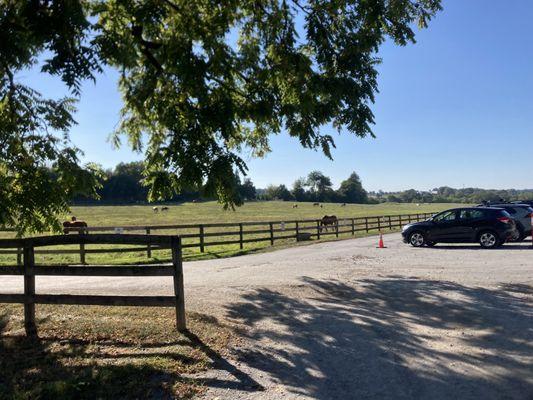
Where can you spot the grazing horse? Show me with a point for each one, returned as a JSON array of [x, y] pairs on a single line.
[[316, 204], [74, 223], [328, 220], [155, 209], [295, 206], [164, 209], [343, 205]]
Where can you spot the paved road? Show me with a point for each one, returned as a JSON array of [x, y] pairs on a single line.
[[345, 320]]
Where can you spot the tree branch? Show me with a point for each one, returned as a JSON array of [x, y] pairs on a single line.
[[136, 31]]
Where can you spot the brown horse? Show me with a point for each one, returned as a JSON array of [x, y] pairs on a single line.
[[74, 223], [328, 220]]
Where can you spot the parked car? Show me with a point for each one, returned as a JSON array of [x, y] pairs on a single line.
[[521, 213], [528, 202], [488, 226]]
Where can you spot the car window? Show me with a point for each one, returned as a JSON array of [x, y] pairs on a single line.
[[445, 216], [506, 214], [470, 214], [510, 210]]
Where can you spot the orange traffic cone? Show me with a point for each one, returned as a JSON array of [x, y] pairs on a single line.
[[381, 245]]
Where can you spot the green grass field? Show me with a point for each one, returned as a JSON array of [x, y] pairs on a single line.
[[212, 212]]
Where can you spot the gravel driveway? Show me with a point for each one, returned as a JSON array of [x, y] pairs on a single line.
[[344, 320]]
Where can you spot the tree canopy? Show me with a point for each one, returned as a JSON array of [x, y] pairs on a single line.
[[201, 81], [351, 190]]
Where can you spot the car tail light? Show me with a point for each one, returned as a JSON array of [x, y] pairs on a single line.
[[505, 220]]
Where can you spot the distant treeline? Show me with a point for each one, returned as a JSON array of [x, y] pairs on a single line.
[[447, 194], [123, 185], [317, 187]]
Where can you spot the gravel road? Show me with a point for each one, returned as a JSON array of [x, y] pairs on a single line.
[[345, 320]]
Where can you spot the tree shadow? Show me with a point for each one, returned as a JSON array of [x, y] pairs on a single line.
[[394, 338], [63, 367]]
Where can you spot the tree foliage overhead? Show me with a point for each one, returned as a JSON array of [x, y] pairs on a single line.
[[204, 81], [39, 167]]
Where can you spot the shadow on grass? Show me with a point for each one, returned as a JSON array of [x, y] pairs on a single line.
[[60, 367], [395, 338]]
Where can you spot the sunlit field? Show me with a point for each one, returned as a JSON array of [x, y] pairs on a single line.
[[212, 212]]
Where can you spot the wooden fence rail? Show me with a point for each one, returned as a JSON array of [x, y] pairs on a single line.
[[233, 233], [29, 270]]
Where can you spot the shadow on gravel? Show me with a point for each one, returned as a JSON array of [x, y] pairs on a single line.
[[392, 339]]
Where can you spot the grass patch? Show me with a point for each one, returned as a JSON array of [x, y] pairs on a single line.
[[106, 353]]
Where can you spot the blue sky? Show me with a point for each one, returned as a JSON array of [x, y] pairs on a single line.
[[454, 109]]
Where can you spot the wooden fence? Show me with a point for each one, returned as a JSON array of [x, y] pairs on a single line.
[[237, 233], [29, 270]]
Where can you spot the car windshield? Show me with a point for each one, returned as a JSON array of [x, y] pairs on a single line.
[[445, 216]]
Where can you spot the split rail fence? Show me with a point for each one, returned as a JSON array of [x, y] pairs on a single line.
[[29, 270], [203, 236]]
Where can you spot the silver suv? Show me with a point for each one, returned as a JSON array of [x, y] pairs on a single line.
[[521, 213]]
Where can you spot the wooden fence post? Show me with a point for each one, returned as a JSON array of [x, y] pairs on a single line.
[[19, 256], [379, 224], [399, 221], [297, 230], [181, 323], [390, 223], [366, 224], [240, 236], [318, 230], [149, 246], [337, 229], [202, 247], [353, 226], [271, 234], [82, 253], [29, 291]]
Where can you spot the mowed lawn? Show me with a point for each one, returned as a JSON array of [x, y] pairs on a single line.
[[212, 212]]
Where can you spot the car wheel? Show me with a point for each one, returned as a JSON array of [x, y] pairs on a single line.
[[518, 236], [489, 240], [416, 239], [522, 236]]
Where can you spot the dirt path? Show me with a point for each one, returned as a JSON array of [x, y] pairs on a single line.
[[345, 320]]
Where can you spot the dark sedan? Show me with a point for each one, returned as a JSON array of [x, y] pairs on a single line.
[[490, 227]]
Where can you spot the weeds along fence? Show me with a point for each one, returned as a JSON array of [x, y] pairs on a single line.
[[29, 270], [203, 236]]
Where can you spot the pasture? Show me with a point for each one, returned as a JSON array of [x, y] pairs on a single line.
[[212, 212]]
